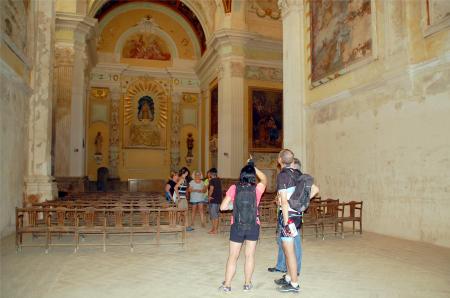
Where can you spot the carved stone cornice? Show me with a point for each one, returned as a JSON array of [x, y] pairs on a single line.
[[288, 6], [207, 66], [85, 32], [75, 22]]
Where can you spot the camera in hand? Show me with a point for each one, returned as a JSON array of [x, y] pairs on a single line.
[[251, 162]]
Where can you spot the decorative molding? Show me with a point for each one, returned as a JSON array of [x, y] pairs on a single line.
[[431, 25], [82, 24], [237, 69], [273, 13], [64, 56], [207, 67], [263, 73], [289, 6]]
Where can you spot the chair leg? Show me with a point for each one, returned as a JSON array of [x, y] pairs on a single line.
[[104, 241], [75, 236], [353, 222]]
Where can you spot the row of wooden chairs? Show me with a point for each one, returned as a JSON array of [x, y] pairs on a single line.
[[330, 217], [77, 222], [323, 216]]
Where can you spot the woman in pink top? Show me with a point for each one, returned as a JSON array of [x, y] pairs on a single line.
[[245, 197]]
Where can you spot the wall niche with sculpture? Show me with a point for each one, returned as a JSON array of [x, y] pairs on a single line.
[[145, 114]]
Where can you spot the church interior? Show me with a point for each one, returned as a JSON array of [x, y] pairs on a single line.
[[109, 97]]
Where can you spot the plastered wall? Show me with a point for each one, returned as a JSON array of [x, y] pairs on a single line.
[[13, 145], [380, 134]]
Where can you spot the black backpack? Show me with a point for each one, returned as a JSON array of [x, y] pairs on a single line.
[[299, 200], [244, 206]]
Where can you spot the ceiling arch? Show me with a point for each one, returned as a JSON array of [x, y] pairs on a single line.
[[196, 20]]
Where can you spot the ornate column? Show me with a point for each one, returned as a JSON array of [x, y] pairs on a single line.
[[39, 181], [175, 132], [231, 116], [71, 84], [294, 76], [114, 131], [61, 111]]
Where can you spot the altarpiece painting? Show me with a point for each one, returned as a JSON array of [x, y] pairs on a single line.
[[266, 120]]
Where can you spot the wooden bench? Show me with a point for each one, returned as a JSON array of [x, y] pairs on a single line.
[[81, 222]]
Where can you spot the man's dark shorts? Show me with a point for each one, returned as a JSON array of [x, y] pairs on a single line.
[[240, 236]]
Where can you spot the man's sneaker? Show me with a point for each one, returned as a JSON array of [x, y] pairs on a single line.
[[222, 288], [189, 229], [248, 287], [289, 288], [274, 269], [281, 282]]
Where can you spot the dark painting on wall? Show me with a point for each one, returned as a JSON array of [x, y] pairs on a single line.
[[266, 120], [214, 111]]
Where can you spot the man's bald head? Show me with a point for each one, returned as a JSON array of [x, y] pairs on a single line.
[[286, 157]]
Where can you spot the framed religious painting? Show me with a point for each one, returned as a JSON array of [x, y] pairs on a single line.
[[265, 119], [342, 38]]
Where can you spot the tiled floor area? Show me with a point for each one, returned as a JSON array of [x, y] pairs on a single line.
[[370, 265]]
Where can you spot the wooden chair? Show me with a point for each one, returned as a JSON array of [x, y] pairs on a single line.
[[61, 220], [268, 217], [30, 221], [311, 220], [328, 216], [174, 225], [225, 221], [351, 212], [89, 225]]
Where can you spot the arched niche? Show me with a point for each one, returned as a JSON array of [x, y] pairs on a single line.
[[191, 16]]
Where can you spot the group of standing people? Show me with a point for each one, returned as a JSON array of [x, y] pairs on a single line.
[[184, 190], [245, 197]]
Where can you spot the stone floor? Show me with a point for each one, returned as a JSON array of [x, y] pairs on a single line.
[[370, 265]]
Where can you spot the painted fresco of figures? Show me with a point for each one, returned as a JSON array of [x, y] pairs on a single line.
[[146, 46]]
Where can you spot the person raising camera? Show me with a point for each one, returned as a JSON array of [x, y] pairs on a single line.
[[245, 196]]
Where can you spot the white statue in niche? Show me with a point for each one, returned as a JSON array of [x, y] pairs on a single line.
[[98, 143]]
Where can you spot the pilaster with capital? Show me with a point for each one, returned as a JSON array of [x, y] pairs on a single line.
[[71, 82], [231, 116], [292, 12], [38, 181], [114, 131], [175, 132]]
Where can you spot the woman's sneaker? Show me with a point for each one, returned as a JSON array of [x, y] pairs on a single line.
[[282, 281], [289, 288], [248, 287], [222, 288]]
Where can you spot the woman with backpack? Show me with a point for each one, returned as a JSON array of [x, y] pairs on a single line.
[[245, 196]]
